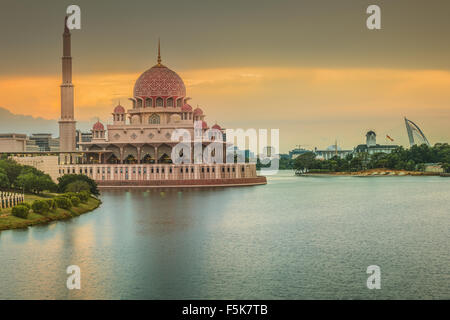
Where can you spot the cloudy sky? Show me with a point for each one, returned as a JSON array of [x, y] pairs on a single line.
[[308, 67]]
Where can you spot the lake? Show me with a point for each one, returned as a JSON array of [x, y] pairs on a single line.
[[294, 238]]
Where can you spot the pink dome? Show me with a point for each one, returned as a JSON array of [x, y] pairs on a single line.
[[186, 108], [119, 109], [198, 112], [204, 125], [159, 81], [216, 126], [98, 126]]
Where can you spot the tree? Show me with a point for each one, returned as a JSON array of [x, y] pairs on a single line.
[[84, 196], [20, 211], [45, 183], [75, 201], [78, 186], [69, 178], [4, 181], [51, 204], [12, 170], [40, 206], [26, 182], [446, 167], [63, 202], [305, 161], [31, 182]]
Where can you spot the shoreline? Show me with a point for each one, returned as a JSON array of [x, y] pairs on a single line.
[[9, 222], [188, 183], [372, 173]]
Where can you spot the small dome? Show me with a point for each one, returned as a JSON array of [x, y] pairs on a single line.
[[119, 109], [216, 126], [204, 125], [186, 108], [98, 126], [198, 112]]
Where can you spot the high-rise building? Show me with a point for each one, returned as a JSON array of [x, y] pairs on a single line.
[[83, 137], [45, 142]]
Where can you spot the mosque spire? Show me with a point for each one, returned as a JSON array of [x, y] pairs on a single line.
[[159, 53]]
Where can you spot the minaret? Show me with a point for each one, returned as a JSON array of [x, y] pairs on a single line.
[[67, 123]]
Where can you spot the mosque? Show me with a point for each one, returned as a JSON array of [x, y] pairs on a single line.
[[136, 149]]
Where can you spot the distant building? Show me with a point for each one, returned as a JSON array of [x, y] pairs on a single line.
[[269, 151], [47, 164], [45, 142], [433, 167], [16, 142], [415, 134], [371, 146], [13, 142], [296, 152], [371, 139], [332, 151], [249, 155], [83, 137], [31, 146]]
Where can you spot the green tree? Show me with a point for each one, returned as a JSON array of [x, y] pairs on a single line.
[[20, 211], [12, 170], [75, 201], [51, 204], [4, 181], [78, 186], [40, 206], [69, 178], [63, 202], [33, 183], [305, 161], [84, 196]]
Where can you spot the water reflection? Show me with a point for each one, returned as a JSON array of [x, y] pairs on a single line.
[[293, 238]]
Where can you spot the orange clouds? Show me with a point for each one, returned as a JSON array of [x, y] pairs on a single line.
[[316, 98]]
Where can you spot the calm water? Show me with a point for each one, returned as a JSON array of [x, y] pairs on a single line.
[[295, 238]]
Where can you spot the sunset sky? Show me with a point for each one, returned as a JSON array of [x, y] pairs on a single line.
[[309, 68]]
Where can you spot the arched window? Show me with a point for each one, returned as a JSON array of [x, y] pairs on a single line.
[[139, 103], [154, 119], [179, 102], [159, 102], [170, 102], [148, 102]]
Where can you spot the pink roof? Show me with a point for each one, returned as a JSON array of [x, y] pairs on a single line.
[[216, 126], [98, 126], [159, 81], [198, 112], [204, 125], [119, 109], [186, 108]]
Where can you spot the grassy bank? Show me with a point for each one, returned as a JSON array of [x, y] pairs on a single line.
[[8, 221]]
